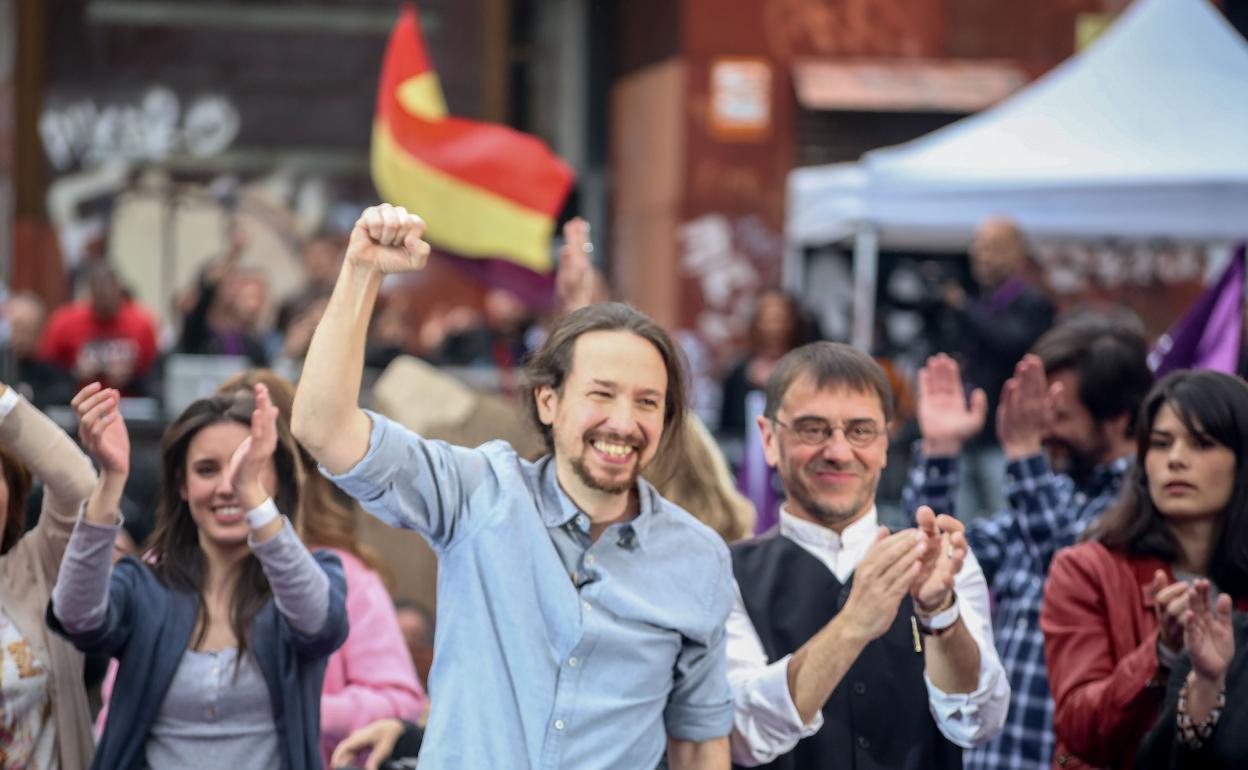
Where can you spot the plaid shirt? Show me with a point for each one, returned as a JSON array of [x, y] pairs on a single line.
[[1047, 511]]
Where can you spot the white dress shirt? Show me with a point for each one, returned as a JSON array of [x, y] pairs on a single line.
[[766, 724]]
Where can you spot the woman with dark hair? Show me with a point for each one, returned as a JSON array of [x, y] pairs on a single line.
[[1114, 605], [372, 675], [777, 326], [222, 635], [45, 721]]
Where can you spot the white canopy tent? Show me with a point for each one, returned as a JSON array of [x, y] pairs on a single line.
[[1144, 134]]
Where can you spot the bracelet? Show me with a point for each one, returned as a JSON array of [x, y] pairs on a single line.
[[1192, 734], [262, 514], [941, 622]]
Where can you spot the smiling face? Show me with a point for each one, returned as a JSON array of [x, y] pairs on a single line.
[[607, 419], [1189, 475], [206, 486], [832, 483]]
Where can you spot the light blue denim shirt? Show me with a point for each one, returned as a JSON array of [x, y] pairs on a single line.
[[531, 671]]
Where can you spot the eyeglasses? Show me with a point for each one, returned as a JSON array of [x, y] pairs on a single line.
[[859, 433]]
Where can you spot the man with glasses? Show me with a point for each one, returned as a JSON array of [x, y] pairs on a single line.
[[849, 646]]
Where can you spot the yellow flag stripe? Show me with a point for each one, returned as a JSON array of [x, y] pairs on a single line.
[[422, 96], [463, 219]]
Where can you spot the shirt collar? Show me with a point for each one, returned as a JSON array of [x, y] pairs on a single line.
[[824, 538], [558, 509]]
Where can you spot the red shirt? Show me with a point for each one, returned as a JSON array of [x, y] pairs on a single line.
[[82, 343], [1100, 643]]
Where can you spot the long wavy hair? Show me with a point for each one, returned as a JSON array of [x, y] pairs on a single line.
[[17, 477], [327, 519], [175, 554], [1213, 406]]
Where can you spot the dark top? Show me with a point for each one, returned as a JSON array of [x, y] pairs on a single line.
[[878, 717], [199, 338], [991, 334], [1227, 748], [148, 628]]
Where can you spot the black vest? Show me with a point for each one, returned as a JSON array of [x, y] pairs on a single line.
[[877, 717]]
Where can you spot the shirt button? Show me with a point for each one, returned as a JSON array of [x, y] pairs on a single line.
[[573, 662], [863, 743], [582, 520], [589, 560], [559, 724], [860, 688], [586, 606]]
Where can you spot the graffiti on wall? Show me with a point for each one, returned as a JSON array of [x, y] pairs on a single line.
[[154, 127], [721, 254], [1077, 267]]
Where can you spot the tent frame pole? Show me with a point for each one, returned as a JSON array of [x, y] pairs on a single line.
[[866, 272]]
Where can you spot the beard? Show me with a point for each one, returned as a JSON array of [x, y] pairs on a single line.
[[611, 486], [1075, 461], [829, 515]]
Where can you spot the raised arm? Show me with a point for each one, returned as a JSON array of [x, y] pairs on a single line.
[[50, 456], [80, 597], [305, 595], [327, 418]]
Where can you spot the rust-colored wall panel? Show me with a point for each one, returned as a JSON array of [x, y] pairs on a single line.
[[647, 121]]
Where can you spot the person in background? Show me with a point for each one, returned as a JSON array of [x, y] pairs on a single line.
[[321, 258], [223, 631], [1115, 603], [1066, 422], [228, 309], [777, 326], [45, 720], [371, 676], [38, 381], [107, 336], [989, 334], [700, 482]]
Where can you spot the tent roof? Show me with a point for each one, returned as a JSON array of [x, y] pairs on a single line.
[[1143, 134]]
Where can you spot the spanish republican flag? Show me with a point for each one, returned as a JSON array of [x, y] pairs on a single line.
[[486, 191]]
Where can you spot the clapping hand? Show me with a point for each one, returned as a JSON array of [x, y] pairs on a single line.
[[1023, 411], [946, 418], [944, 553], [256, 451], [101, 428], [1207, 632], [574, 281], [881, 581]]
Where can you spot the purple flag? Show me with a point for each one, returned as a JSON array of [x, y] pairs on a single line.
[[1208, 334], [755, 479]]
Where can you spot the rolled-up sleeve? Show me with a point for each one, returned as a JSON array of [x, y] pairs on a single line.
[[413, 482], [974, 718], [765, 722], [700, 705]]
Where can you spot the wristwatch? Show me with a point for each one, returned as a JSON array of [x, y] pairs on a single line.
[[941, 622]]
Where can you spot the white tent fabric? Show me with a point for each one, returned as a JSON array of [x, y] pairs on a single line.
[[1143, 134]]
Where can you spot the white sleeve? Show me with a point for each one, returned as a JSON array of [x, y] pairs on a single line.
[[765, 723], [971, 719]]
